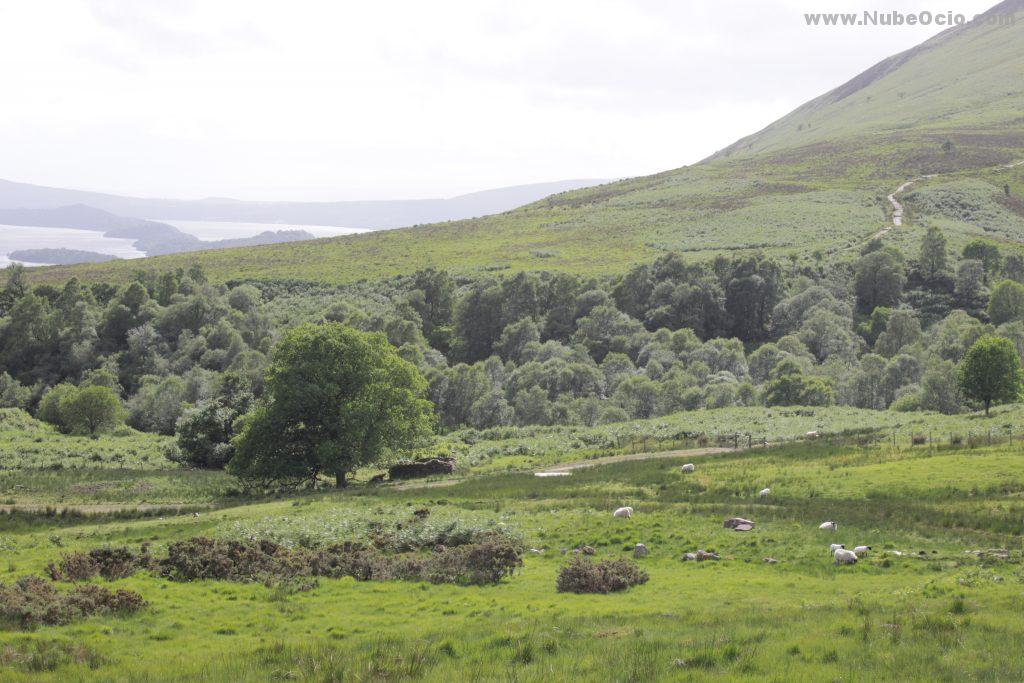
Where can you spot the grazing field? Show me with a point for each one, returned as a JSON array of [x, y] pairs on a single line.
[[934, 611]]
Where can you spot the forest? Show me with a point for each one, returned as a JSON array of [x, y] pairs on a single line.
[[171, 353]]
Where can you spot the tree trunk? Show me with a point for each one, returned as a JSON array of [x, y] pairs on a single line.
[[987, 404], [340, 481]]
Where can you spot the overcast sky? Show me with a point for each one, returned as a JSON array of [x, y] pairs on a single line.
[[370, 100]]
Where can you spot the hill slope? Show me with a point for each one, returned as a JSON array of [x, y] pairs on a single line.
[[817, 180]]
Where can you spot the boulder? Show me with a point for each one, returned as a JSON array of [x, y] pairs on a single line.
[[640, 551]]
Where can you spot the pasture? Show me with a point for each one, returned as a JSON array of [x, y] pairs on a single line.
[[932, 612]]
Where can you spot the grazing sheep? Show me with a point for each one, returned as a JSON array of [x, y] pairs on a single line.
[[834, 547], [688, 467], [763, 493], [640, 550], [861, 550], [829, 526], [845, 556], [626, 512]]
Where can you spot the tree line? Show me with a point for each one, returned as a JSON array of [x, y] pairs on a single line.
[[172, 353]]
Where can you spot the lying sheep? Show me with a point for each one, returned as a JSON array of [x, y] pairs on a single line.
[[763, 493], [688, 467], [700, 556], [626, 512], [845, 556], [834, 547], [861, 550], [738, 524], [829, 526]]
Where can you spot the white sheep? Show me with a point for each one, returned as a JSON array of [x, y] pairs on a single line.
[[763, 493], [688, 467], [845, 556], [626, 512], [829, 526], [834, 547], [811, 435], [861, 550]]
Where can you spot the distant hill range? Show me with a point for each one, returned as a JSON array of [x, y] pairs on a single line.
[[151, 237], [59, 257], [944, 121], [373, 215]]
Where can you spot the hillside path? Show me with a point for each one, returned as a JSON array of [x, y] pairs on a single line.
[[897, 206], [630, 457], [569, 467]]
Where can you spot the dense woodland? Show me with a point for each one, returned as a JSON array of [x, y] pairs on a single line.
[[174, 354]]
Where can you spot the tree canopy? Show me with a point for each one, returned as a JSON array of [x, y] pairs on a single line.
[[336, 399], [991, 371]]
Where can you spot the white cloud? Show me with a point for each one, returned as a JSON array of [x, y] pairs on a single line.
[[332, 100]]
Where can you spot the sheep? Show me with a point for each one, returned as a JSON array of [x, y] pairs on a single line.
[[763, 493], [861, 550], [834, 547], [688, 467], [829, 526], [811, 435], [844, 556], [626, 512]]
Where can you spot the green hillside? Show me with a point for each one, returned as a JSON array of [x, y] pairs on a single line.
[[816, 180]]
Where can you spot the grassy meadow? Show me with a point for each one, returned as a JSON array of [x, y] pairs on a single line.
[[932, 612]]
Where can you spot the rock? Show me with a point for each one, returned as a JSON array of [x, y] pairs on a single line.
[[584, 550], [537, 551], [689, 557], [743, 527], [640, 551], [734, 522], [770, 560]]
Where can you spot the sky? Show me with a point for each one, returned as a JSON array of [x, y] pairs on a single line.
[[334, 100]]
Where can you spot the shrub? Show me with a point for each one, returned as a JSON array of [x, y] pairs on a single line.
[[110, 563], [584, 576], [33, 601]]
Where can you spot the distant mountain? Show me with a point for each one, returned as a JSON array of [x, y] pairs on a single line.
[[350, 214], [943, 121], [151, 237], [59, 257]]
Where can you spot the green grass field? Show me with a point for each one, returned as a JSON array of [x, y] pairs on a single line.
[[934, 612]]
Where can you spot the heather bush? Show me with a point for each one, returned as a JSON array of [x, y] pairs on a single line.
[[582, 575], [110, 563], [33, 601]]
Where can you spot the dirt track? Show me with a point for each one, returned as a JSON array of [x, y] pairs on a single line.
[[578, 465]]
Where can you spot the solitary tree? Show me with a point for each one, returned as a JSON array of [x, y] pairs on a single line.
[[991, 371], [91, 410], [336, 399]]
